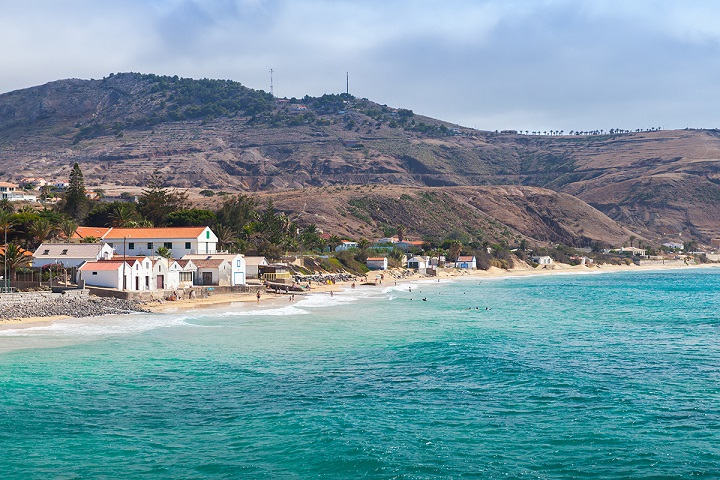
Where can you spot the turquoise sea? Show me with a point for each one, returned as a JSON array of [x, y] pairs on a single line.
[[608, 376]]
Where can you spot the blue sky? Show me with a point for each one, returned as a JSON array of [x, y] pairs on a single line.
[[545, 64]]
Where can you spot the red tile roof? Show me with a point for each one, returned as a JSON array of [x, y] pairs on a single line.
[[465, 259], [376, 259], [84, 232], [152, 233], [104, 265]]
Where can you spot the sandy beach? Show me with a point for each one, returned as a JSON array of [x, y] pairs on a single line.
[[270, 298], [391, 277]]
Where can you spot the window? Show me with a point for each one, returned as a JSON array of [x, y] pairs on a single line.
[[131, 245], [207, 234], [238, 263], [64, 252], [187, 246], [46, 252], [168, 245], [150, 245], [186, 276], [137, 266], [94, 273]]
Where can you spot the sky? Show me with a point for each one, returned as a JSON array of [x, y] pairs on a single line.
[[494, 64]]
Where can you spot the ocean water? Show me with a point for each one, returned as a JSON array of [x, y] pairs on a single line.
[[587, 376]]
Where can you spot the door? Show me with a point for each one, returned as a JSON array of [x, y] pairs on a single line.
[[137, 283], [238, 278], [207, 278], [161, 282]]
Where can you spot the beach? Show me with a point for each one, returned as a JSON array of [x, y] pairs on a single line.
[[391, 277]]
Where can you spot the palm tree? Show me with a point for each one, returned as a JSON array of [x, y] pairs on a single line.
[[122, 215], [14, 257], [41, 229], [226, 237], [68, 227], [164, 252], [6, 223]]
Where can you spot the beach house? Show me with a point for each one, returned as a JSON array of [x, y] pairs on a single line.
[[179, 241], [70, 255], [466, 262], [377, 263], [418, 262], [129, 274], [185, 270], [238, 268], [213, 271], [252, 265]]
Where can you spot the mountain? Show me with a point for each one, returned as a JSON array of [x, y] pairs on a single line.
[[221, 135]]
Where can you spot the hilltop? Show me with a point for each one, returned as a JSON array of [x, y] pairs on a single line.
[[221, 135]]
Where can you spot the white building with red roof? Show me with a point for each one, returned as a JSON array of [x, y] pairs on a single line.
[[180, 241]]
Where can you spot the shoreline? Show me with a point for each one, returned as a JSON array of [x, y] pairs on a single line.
[[276, 299]]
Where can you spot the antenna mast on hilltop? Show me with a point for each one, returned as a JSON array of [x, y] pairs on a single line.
[[347, 83], [271, 83]]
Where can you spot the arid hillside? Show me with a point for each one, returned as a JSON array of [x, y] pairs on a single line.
[[220, 135], [493, 214]]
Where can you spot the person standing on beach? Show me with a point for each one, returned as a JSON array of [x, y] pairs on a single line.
[[258, 296]]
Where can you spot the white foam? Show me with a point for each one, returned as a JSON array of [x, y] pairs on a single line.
[[280, 311], [98, 327]]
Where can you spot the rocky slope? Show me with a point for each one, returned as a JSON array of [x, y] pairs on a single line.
[[217, 134]]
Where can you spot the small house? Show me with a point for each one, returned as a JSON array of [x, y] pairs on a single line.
[[214, 271], [418, 262], [186, 271], [237, 264], [131, 275], [377, 263], [466, 262], [346, 245]]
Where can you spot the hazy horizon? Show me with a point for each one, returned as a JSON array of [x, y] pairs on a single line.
[[524, 65]]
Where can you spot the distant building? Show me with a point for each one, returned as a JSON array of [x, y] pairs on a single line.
[[674, 245], [387, 240], [466, 262], [12, 193], [542, 260], [377, 263], [408, 244], [346, 245], [715, 243]]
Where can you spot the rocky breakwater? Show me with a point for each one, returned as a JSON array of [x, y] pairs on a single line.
[[73, 303]]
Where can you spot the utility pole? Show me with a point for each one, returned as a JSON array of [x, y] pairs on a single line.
[[347, 83], [271, 83], [5, 264], [124, 262]]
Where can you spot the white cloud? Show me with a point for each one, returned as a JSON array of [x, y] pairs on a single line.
[[491, 64]]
